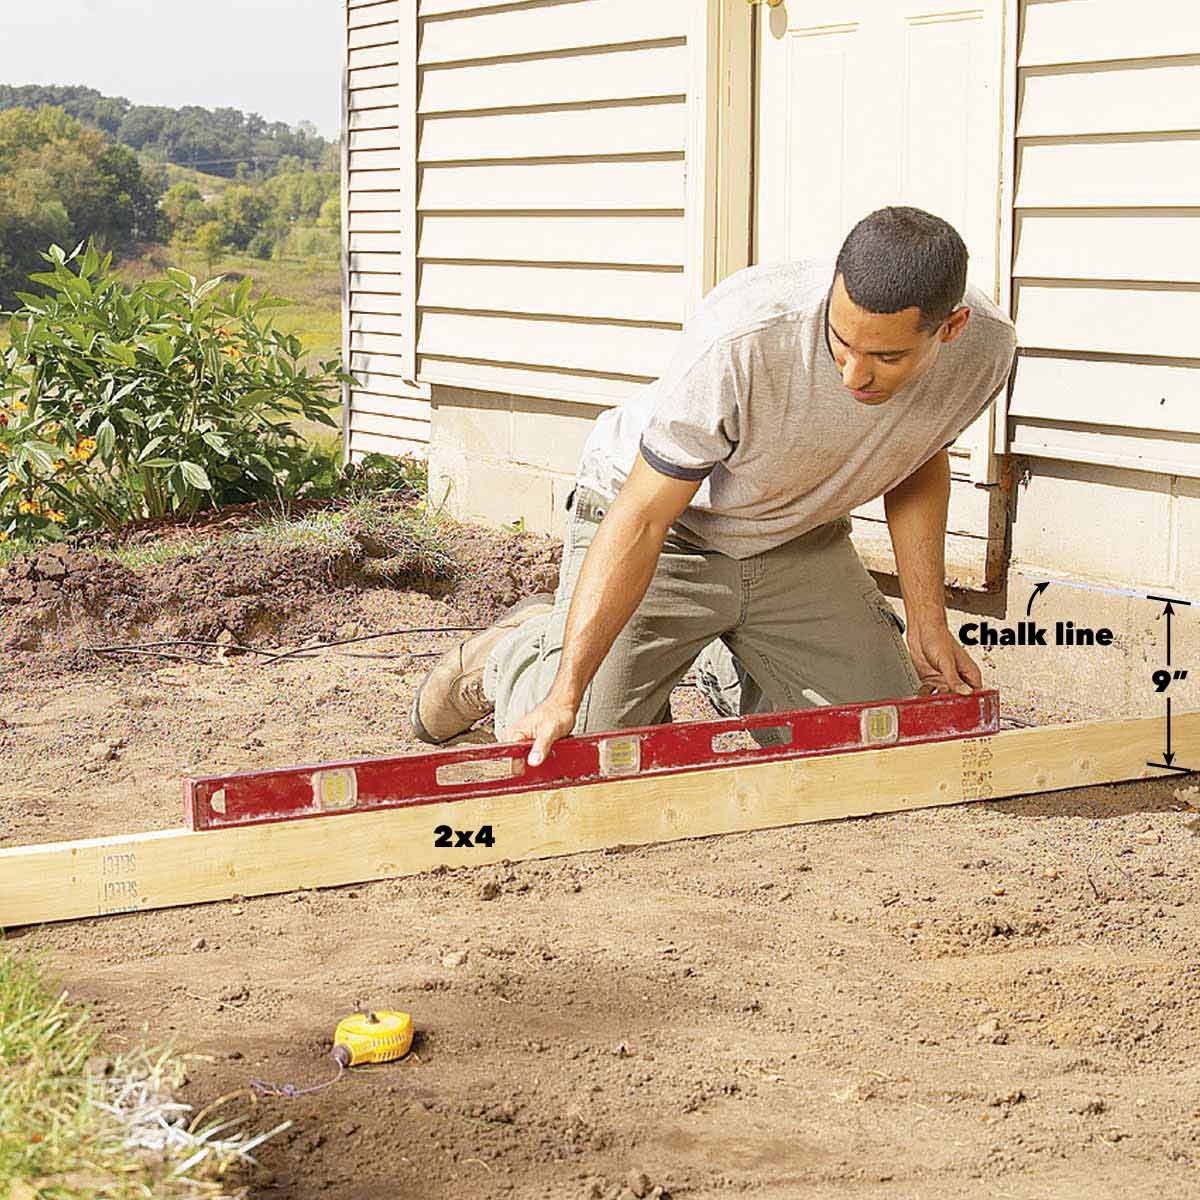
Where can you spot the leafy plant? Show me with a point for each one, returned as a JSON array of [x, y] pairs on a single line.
[[166, 397]]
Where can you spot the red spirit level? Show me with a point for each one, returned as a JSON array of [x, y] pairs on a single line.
[[259, 797]]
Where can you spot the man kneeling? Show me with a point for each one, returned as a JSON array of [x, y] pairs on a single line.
[[710, 525]]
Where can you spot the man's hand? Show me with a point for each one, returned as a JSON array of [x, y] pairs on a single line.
[[551, 720], [941, 662]]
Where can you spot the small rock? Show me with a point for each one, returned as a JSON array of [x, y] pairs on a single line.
[[199, 943], [1189, 796], [489, 890], [990, 1031], [1089, 1108], [348, 631], [638, 1183], [50, 565], [234, 992], [455, 958], [998, 891], [1147, 839], [234, 1055], [501, 1114], [1007, 1099], [102, 751], [622, 1050], [1050, 873]]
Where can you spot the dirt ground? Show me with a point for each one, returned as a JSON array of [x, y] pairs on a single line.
[[998, 999]]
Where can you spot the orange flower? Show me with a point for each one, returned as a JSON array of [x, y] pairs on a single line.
[[3, 536], [19, 406], [29, 506], [83, 449], [52, 514]]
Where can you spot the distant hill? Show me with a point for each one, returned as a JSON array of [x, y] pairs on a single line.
[[208, 185], [216, 141]]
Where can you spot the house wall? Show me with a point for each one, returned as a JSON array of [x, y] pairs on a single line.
[[557, 247], [562, 153], [387, 411], [1104, 417]]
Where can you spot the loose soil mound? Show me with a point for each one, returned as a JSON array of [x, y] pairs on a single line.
[[69, 597]]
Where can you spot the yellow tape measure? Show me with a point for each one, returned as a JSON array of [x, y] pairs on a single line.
[[372, 1037]]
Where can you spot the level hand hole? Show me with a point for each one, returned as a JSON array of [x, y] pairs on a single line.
[[740, 740], [480, 770]]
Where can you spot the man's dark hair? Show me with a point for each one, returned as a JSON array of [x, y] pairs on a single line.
[[899, 258]]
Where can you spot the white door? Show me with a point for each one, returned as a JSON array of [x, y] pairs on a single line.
[[864, 103]]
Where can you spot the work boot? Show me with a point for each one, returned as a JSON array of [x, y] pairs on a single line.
[[451, 699]]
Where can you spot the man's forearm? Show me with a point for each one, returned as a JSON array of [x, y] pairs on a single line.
[[916, 515], [616, 572]]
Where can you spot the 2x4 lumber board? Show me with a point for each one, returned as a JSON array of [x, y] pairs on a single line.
[[64, 880]]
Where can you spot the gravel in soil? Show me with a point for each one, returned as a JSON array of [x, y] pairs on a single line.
[[996, 999]]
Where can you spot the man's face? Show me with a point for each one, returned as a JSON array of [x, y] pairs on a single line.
[[878, 353]]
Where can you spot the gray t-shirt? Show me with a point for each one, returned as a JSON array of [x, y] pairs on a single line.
[[753, 404]]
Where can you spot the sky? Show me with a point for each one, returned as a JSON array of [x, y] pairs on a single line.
[[279, 58]]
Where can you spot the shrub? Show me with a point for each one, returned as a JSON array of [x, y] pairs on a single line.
[[261, 245], [123, 403]]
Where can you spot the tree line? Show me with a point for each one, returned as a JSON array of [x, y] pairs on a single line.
[[64, 181], [219, 141]]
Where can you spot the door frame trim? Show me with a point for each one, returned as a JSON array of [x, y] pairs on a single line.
[[728, 148]]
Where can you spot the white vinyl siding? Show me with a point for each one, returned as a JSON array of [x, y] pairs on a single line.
[[1106, 272], [387, 411], [556, 235]]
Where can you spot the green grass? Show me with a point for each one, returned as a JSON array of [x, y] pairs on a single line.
[[57, 1140], [16, 547], [142, 556], [403, 540], [321, 530], [399, 538]]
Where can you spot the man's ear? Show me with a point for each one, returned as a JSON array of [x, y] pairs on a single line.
[[955, 323]]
